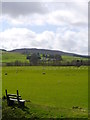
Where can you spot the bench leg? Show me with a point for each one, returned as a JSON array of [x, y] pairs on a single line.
[[21, 104], [10, 102]]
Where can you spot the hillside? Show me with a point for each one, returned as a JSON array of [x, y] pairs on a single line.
[[12, 57], [21, 54], [44, 51]]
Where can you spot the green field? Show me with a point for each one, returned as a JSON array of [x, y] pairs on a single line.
[[12, 57], [54, 93], [71, 58]]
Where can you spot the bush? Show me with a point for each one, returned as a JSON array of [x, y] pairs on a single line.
[[12, 112]]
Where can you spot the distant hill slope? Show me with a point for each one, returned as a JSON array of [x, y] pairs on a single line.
[[12, 57], [21, 55], [45, 51], [2, 50]]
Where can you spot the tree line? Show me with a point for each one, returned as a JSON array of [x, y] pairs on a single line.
[[47, 60], [37, 59]]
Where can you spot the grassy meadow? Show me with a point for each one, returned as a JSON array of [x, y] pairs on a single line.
[[60, 92], [12, 57]]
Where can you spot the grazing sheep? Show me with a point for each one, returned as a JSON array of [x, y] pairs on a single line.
[[75, 107], [43, 73], [5, 73]]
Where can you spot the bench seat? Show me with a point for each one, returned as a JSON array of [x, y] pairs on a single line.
[[17, 100]]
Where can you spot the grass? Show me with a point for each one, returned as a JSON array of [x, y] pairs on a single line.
[[53, 94], [71, 58], [37, 111], [12, 57]]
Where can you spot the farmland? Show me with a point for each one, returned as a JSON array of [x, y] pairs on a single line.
[[53, 94], [12, 57]]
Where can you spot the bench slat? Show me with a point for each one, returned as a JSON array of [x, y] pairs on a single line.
[[17, 100], [22, 100], [13, 95], [13, 99]]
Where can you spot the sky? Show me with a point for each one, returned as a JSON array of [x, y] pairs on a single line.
[[49, 25]]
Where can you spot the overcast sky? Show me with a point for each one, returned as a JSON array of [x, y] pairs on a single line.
[[52, 25]]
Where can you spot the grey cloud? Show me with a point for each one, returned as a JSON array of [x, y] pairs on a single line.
[[80, 24], [22, 8], [56, 13]]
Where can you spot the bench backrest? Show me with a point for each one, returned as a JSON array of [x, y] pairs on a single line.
[[14, 96]]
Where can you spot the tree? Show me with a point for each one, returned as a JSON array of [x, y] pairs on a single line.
[[38, 55], [78, 63], [34, 58], [44, 59], [58, 57], [28, 57]]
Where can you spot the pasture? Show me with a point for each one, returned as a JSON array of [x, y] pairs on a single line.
[[12, 57], [60, 90]]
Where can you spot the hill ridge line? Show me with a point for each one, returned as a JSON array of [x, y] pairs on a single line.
[[44, 51]]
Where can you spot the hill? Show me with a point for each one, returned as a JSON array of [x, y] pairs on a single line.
[[45, 51], [21, 54], [12, 57]]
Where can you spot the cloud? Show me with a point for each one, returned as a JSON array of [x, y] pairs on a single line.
[[22, 37], [35, 13], [16, 37], [70, 21], [72, 41], [75, 41], [16, 9]]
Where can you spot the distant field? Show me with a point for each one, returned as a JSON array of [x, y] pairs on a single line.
[[60, 88], [70, 58], [12, 57]]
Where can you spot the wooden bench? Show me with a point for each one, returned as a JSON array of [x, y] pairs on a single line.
[[14, 98]]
